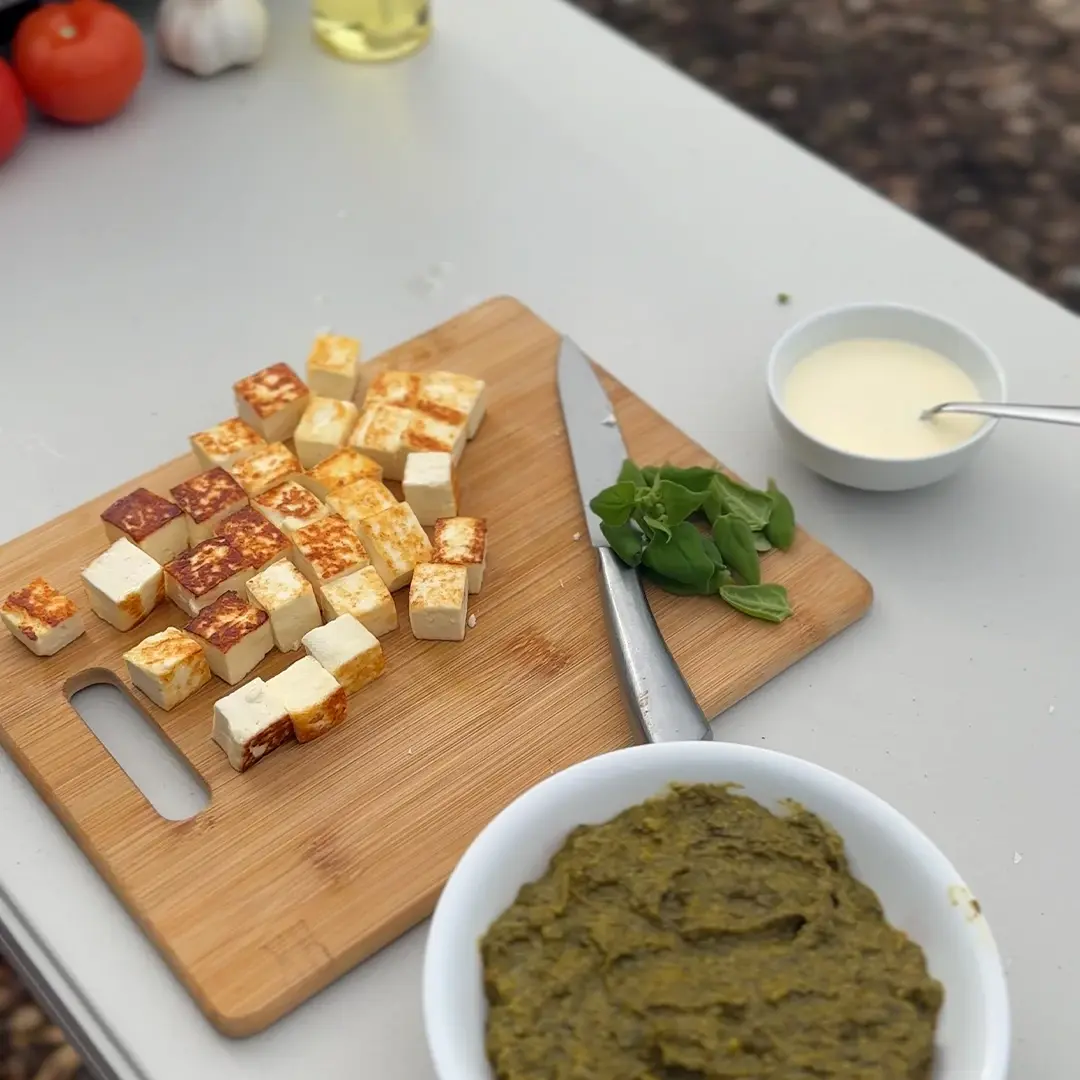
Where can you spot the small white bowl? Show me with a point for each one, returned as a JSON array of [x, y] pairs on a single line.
[[921, 892], [896, 322]]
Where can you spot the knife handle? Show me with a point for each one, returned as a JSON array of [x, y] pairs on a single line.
[[660, 702]]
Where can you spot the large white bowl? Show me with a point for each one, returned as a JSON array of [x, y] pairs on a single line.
[[896, 322], [921, 892]]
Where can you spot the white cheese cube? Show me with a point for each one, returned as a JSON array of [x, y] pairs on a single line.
[[42, 618], [332, 367], [150, 522], [266, 468], [396, 543], [168, 667], [323, 428], [207, 500], [438, 602], [430, 486], [365, 597], [234, 634], [453, 398], [428, 434], [314, 698], [225, 444], [462, 541], [288, 598], [341, 468], [197, 578], [379, 433], [289, 506], [400, 388], [327, 550], [348, 651], [272, 401], [359, 500], [124, 585], [249, 723], [259, 541]]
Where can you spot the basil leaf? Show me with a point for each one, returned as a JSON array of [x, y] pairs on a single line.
[[694, 479], [713, 552], [649, 474], [614, 505], [727, 496], [677, 588], [781, 527], [655, 526], [632, 473], [736, 543], [678, 502], [768, 602], [682, 557], [625, 541], [761, 542]]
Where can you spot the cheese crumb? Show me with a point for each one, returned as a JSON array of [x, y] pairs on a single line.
[[471, 621], [577, 537]]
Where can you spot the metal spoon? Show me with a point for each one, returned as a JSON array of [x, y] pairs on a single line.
[[1046, 414]]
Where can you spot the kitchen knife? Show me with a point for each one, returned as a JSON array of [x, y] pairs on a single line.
[[660, 702]]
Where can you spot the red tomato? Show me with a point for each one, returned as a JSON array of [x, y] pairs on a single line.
[[78, 62], [12, 111]]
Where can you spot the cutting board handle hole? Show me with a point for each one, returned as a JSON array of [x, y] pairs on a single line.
[[160, 772]]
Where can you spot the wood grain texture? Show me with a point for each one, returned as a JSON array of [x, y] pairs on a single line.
[[324, 853]]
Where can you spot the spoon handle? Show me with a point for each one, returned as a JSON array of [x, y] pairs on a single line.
[[1046, 414]]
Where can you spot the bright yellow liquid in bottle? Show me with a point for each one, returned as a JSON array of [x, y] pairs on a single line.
[[372, 29]]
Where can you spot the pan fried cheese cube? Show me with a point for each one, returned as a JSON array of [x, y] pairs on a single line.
[[42, 618], [225, 444], [396, 543], [379, 433], [197, 578], [430, 486], [438, 602], [359, 500], [328, 549], [315, 700], [348, 651], [124, 585], [333, 367], [365, 597], [168, 667], [462, 541], [341, 468], [272, 401], [425, 433], [288, 598], [266, 468], [207, 499], [150, 522], [289, 506], [249, 723], [454, 399], [234, 634], [393, 388], [323, 428], [259, 541]]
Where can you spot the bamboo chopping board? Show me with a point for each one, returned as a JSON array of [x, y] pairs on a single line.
[[322, 854]]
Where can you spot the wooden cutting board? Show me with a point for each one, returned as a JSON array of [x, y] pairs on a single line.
[[322, 854]]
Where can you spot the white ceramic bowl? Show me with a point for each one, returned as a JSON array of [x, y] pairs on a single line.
[[921, 892], [896, 322]]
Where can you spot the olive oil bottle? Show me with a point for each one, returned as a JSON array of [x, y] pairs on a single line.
[[372, 30]]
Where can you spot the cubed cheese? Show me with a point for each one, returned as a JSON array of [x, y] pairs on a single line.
[[363, 595], [323, 428], [235, 635], [249, 723], [199, 576], [393, 388], [168, 667], [453, 398], [289, 506], [266, 468], [124, 585], [395, 542], [379, 433], [348, 651], [272, 401], [207, 499], [426, 433], [438, 602], [341, 468], [332, 367], [328, 549], [462, 541], [259, 541], [359, 500], [288, 598], [225, 444], [42, 618], [430, 486], [150, 522], [314, 698]]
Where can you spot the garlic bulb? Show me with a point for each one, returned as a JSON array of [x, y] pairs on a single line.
[[208, 36]]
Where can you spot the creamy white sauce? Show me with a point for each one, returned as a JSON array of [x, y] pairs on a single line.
[[866, 396]]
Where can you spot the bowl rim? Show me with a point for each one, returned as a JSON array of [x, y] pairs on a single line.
[[840, 310], [441, 1024]]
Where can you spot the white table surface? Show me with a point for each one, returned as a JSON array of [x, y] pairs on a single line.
[[215, 226]]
